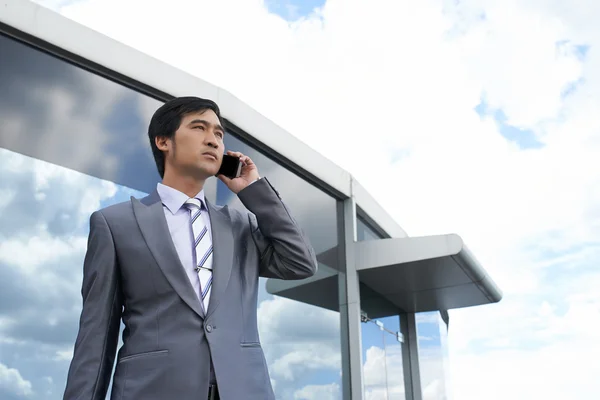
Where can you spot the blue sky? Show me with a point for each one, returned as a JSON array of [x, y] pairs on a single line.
[[292, 10], [524, 138]]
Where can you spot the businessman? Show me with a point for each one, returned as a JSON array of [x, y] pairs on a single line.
[[182, 274]]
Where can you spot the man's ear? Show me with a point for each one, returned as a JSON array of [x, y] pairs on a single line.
[[162, 142]]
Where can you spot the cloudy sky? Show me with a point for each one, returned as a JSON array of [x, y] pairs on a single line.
[[483, 112]]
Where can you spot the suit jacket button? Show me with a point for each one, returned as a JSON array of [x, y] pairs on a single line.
[[209, 328]]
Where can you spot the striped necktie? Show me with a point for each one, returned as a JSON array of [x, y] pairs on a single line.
[[203, 249]]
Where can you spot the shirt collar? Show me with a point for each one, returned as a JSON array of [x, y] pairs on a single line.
[[173, 199]]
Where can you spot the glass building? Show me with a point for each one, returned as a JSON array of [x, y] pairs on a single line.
[[74, 111]]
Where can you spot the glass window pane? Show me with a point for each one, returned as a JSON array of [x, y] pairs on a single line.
[[364, 231], [44, 223], [433, 355], [56, 112], [382, 351], [382, 356]]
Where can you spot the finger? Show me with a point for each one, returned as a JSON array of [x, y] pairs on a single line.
[[235, 154], [247, 161]]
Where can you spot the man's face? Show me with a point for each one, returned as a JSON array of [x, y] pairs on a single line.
[[198, 146]]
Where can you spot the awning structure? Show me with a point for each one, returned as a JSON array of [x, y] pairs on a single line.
[[411, 274], [320, 290]]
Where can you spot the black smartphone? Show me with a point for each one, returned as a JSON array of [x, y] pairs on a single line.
[[231, 167]]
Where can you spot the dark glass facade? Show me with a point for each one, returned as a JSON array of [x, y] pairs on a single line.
[[72, 142]]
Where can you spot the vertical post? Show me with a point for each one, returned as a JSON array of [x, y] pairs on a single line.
[[410, 357], [349, 301]]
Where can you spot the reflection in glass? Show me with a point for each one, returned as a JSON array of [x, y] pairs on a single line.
[[382, 355], [381, 343], [44, 222], [431, 332], [57, 112], [364, 231]]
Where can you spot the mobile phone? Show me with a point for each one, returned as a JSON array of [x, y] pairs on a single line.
[[231, 166]]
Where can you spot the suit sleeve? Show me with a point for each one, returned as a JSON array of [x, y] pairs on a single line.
[[285, 250], [97, 339]]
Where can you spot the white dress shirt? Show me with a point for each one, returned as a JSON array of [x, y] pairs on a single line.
[[178, 220]]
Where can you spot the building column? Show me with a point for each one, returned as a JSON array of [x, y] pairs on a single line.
[[349, 302], [410, 357]]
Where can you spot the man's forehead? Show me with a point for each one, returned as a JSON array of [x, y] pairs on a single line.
[[208, 115]]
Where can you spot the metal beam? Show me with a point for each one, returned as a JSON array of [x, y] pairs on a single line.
[[410, 357], [349, 301]]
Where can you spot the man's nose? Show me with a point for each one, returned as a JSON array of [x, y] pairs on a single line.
[[211, 140]]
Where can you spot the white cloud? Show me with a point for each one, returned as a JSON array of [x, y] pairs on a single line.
[[383, 376], [36, 252], [298, 339], [12, 382], [319, 392], [403, 78], [434, 391], [41, 255], [40, 238], [64, 355]]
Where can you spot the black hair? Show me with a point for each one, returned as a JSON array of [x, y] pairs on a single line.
[[167, 119]]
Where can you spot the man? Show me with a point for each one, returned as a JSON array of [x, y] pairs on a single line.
[[183, 274]]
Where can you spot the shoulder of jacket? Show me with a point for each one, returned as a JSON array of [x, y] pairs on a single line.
[[116, 210]]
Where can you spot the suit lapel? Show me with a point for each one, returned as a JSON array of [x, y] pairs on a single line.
[[153, 224], [222, 238]]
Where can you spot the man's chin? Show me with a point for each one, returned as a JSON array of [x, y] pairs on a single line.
[[207, 172]]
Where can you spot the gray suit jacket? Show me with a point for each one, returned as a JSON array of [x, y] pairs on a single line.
[[132, 272]]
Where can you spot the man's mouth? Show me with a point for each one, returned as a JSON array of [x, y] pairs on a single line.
[[210, 155]]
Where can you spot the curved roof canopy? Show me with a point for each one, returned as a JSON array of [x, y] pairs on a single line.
[[411, 274]]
